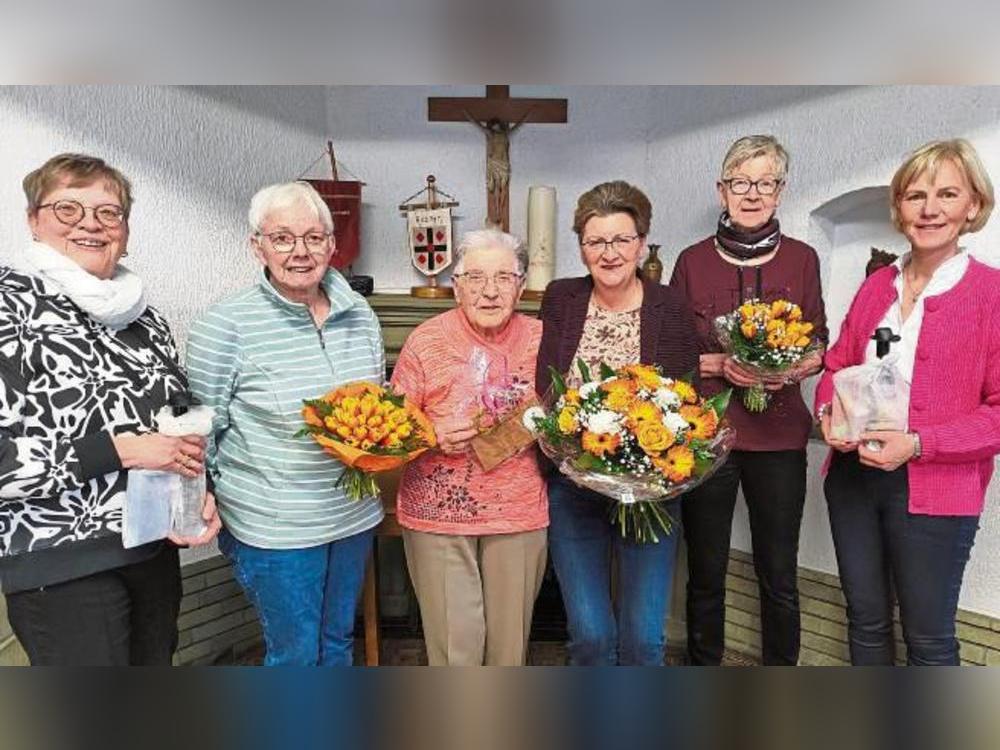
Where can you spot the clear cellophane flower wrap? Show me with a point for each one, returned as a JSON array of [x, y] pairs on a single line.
[[634, 436], [369, 428], [767, 338], [869, 397]]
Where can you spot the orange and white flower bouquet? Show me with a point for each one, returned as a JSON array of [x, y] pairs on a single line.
[[369, 428], [635, 436], [768, 338]]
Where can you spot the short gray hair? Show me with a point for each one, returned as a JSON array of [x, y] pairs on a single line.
[[284, 195], [751, 146], [493, 239]]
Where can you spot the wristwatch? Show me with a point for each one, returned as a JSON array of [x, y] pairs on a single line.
[[916, 444]]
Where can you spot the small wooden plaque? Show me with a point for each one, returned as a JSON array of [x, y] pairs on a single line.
[[504, 440]]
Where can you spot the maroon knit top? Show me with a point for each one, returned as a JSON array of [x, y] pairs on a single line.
[[713, 287]]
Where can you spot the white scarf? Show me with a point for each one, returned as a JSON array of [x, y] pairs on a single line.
[[114, 302]]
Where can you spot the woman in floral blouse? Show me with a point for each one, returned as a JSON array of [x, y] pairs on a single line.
[[611, 316]]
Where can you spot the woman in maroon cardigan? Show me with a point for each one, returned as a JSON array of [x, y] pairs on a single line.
[[610, 316], [748, 257], [908, 511]]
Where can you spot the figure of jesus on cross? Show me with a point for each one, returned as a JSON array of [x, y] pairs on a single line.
[[497, 116]]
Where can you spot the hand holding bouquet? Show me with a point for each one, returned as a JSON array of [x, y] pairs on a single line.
[[767, 338], [369, 428], [635, 436]]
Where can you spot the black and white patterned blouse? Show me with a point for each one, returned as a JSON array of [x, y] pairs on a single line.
[[67, 383]]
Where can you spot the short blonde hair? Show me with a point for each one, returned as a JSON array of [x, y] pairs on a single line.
[[80, 170], [285, 195], [927, 160], [617, 197], [752, 146]]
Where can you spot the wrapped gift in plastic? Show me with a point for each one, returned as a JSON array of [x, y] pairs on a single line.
[[869, 397]]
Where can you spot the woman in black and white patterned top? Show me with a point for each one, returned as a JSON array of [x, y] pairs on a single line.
[[84, 366]]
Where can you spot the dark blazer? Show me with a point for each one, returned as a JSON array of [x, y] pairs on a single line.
[[666, 329]]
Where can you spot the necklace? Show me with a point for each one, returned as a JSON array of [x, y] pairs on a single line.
[[914, 293]]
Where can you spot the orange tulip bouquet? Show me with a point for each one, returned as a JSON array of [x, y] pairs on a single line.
[[635, 436], [369, 428], [768, 338]]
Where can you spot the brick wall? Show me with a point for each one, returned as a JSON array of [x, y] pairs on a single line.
[[824, 620], [216, 620]]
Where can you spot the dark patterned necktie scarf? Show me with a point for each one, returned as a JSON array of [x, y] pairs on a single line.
[[746, 245]]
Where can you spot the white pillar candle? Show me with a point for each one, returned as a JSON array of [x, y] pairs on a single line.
[[541, 237]]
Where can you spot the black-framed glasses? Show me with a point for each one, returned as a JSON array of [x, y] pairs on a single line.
[[505, 281], [620, 243], [284, 242], [741, 185], [69, 212]]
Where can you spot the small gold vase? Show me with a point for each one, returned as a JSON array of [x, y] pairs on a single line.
[[652, 269]]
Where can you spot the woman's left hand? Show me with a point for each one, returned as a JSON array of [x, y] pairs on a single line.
[[897, 449], [809, 365], [739, 375], [209, 514]]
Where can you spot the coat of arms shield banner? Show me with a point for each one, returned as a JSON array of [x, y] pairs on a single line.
[[430, 239]]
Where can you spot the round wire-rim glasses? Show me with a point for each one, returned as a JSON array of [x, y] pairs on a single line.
[[284, 242], [71, 213], [504, 281]]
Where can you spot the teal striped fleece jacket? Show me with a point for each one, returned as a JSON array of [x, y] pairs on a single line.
[[254, 357]]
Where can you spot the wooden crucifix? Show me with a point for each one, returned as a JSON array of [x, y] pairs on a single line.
[[497, 115]]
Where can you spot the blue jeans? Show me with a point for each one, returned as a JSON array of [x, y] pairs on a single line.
[[580, 542], [306, 598], [880, 546]]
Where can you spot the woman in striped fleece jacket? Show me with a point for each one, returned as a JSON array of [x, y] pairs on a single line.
[[298, 545]]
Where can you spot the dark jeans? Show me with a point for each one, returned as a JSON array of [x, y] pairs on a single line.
[[881, 545], [306, 597], [774, 485], [120, 617], [580, 541]]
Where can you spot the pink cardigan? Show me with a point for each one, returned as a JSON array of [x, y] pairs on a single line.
[[955, 393]]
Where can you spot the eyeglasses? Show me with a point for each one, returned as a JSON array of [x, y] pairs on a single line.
[[505, 281], [71, 213], [621, 243], [741, 185], [284, 242]]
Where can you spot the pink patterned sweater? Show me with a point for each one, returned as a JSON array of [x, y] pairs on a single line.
[[955, 393], [449, 370]]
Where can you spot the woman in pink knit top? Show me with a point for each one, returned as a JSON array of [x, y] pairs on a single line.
[[475, 540], [908, 512]]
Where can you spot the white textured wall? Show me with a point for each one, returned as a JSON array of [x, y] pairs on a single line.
[[197, 154], [194, 156], [383, 136]]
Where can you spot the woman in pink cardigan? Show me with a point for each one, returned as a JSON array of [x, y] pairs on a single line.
[[908, 512]]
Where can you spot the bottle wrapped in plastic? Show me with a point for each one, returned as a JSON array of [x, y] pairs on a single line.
[[872, 396], [182, 416]]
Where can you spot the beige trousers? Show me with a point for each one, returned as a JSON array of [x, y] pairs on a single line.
[[476, 594]]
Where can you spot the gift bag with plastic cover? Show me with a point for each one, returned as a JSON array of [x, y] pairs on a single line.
[[872, 396]]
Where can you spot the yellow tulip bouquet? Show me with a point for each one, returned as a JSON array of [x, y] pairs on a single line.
[[635, 436], [369, 428], [769, 338]]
